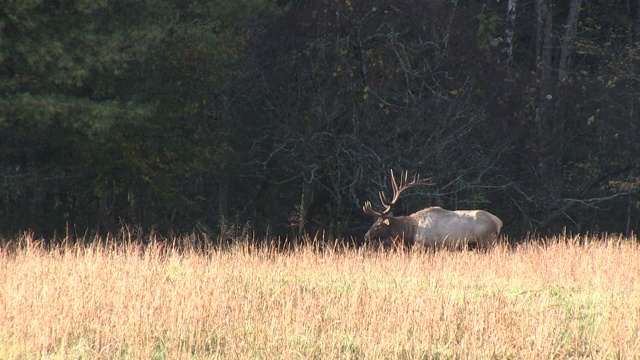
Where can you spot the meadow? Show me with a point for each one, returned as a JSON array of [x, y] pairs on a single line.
[[568, 297]]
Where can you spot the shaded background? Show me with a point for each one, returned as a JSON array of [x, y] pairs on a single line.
[[280, 118]]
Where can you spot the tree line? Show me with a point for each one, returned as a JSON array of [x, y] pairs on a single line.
[[280, 118]]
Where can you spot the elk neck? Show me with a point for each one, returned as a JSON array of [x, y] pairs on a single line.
[[404, 226]]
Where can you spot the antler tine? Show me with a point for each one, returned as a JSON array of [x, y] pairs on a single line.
[[394, 184], [417, 181], [402, 186], [368, 209], [383, 197], [397, 190]]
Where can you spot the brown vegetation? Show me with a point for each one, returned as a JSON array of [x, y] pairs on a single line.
[[564, 299]]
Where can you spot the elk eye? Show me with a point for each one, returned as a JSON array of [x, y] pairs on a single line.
[[386, 222]]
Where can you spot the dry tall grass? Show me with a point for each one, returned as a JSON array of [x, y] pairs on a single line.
[[561, 300]]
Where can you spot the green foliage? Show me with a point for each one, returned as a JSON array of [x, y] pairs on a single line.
[[487, 33], [102, 106]]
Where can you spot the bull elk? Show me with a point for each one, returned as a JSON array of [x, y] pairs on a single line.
[[432, 226]]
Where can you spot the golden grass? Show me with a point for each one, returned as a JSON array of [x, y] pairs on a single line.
[[562, 300]]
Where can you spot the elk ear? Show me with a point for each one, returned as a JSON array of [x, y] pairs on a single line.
[[386, 221]]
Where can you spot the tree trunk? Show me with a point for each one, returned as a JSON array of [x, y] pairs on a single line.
[[107, 221], [511, 27], [223, 218], [549, 120], [546, 126], [568, 39], [549, 127]]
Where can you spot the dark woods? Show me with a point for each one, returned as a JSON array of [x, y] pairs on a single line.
[[261, 118]]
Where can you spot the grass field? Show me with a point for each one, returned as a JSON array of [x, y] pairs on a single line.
[[559, 300]]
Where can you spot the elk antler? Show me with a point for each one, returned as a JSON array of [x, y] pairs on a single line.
[[399, 188], [368, 209]]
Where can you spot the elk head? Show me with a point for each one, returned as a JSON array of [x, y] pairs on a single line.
[[386, 224]]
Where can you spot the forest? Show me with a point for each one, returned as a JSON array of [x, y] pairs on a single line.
[[265, 118]]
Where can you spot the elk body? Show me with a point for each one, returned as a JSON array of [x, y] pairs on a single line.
[[433, 226]]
